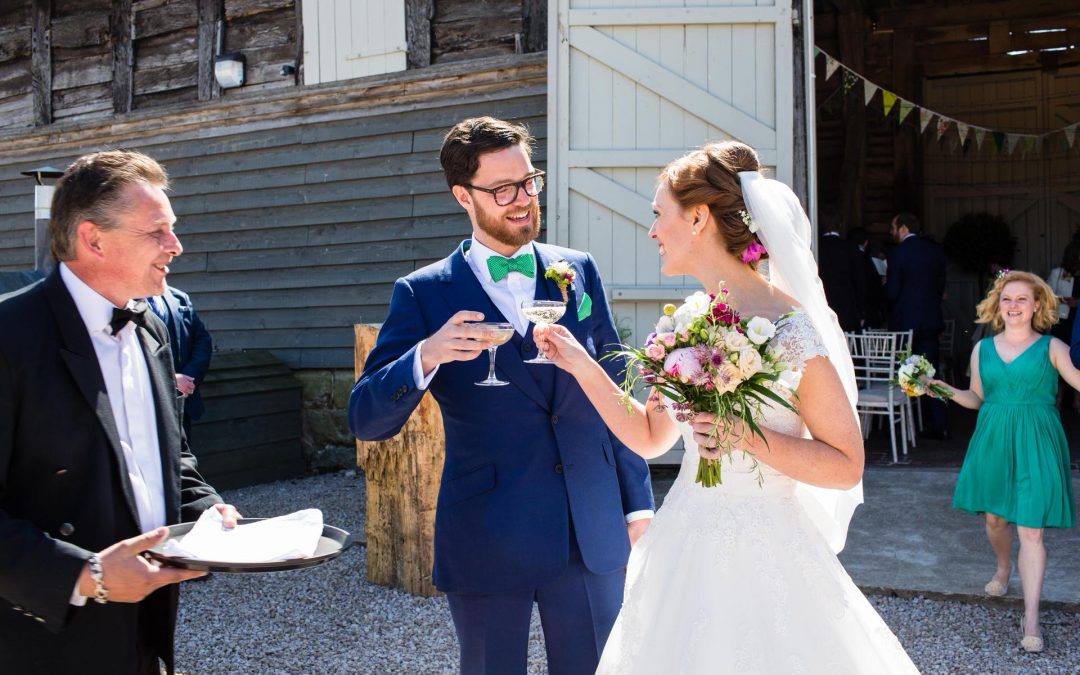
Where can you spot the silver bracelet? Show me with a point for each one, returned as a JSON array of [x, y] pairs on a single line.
[[97, 574]]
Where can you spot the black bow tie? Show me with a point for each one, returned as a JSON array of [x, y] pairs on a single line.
[[121, 316]]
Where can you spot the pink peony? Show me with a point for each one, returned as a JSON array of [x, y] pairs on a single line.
[[684, 365]]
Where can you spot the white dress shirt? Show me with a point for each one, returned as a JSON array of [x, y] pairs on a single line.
[[127, 380], [507, 295]]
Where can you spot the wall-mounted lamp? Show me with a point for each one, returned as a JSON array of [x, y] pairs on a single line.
[[229, 70], [42, 206]]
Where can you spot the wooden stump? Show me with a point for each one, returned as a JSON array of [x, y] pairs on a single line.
[[402, 476]]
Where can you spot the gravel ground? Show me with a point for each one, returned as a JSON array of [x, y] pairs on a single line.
[[328, 619]]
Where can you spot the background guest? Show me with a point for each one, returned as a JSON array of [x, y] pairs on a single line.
[[874, 275], [1016, 470], [842, 272], [914, 287], [191, 348]]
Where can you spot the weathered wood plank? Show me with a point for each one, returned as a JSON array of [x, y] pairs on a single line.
[[63, 8], [920, 16], [236, 9], [264, 67], [121, 28], [346, 254], [153, 80], [174, 16], [271, 462], [209, 14], [41, 46], [81, 100], [260, 30], [80, 30], [418, 17], [15, 38], [79, 72], [171, 97]]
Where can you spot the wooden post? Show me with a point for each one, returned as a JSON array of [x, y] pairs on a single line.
[[210, 12], [534, 24], [418, 15], [851, 33], [120, 27], [41, 62], [402, 476]]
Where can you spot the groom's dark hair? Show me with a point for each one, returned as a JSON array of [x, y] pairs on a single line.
[[476, 136]]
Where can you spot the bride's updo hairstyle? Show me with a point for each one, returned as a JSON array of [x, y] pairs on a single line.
[[710, 176]]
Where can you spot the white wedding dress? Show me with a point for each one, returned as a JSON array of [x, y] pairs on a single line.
[[736, 579]]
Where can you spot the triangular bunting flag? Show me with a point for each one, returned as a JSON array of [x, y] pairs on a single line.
[[831, 65], [924, 118], [1031, 145], [999, 139], [888, 100], [1011, 141], [869, 89], [980, 134], [817, 52], [962, 129], [905, 109], [943, 126], [1070, 134]]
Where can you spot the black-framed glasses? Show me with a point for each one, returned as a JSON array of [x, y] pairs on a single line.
[[505, 195]]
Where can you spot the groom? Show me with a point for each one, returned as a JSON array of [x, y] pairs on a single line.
[[538, 502]]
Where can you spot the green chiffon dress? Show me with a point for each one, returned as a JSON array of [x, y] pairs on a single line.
[[1017, 464]]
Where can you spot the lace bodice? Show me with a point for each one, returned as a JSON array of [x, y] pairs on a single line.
[[796, 342]]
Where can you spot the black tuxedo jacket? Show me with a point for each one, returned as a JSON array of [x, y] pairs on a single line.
[[840, 266], [64, 491], [915, 285]]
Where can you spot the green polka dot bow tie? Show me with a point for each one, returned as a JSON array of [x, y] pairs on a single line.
[[499, 266]]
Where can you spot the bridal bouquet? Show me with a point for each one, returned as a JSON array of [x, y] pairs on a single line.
[[914, 374], [704, 357]]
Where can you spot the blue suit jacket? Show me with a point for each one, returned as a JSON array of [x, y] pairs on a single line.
[[190, 343], [520, 459], [915, 285]]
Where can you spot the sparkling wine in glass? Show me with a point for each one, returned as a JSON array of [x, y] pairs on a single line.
[[541, 312], [498, 334]]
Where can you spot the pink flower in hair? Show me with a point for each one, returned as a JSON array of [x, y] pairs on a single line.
[[753, 253]]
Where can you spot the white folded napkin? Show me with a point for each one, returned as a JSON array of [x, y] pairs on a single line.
[[283, 538]]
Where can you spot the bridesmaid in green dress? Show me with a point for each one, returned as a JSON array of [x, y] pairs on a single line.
[[1016, 470]]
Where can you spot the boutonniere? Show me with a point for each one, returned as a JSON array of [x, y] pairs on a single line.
[[563, 275]]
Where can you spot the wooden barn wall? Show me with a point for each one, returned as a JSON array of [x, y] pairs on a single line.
[[882, 188], [16, 87], [297, 211]]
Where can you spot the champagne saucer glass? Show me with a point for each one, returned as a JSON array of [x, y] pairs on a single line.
[[498, 333], [541, 312]]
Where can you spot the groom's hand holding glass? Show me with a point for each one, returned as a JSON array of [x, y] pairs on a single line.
[[457, 340]]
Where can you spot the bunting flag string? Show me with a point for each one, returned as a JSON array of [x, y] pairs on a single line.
[[1031, 144]]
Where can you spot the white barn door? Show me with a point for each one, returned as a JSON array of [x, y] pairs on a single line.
[[633, 85]]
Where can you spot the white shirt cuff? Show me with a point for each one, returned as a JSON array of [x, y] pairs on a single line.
[[418, 370], [77, 599], [639, 515]]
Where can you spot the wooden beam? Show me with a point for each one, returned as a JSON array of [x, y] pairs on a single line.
[[210, 12], [298, 75], [905, 190], [955, 15], [41, 62], [418, 16], [120, 28], [852, 36], [534, 24], [1001, 63]]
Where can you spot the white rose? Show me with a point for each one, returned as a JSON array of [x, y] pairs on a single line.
[[735, 341], [760, 330], [749, 362], [906, 372], [665, 325], [695, 306]]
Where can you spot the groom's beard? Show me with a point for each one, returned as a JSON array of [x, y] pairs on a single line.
[[498, 228]]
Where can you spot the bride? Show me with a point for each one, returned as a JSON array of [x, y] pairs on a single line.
[[740, 577]]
